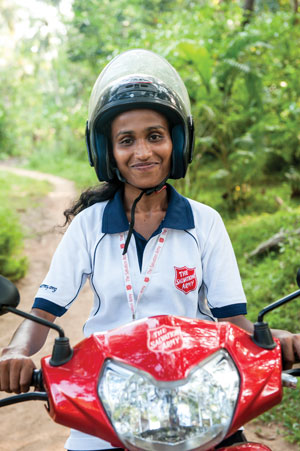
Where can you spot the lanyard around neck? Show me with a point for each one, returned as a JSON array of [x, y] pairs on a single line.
[[126, 270]]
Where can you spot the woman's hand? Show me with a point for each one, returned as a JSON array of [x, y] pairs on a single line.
[[15, 372], [16, 366], [290, 347]]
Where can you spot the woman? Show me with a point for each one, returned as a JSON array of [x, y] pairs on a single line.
[[145, 249]]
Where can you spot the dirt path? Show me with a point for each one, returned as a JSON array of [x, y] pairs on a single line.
[[27, 426]]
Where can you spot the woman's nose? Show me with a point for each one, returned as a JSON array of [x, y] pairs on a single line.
[[143, 149]]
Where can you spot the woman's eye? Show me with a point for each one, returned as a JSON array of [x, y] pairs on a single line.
[[126, 141], [155, 137]]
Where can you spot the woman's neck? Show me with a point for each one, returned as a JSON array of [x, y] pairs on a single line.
[[157, 201]]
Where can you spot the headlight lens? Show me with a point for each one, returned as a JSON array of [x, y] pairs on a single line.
[[182, 415]]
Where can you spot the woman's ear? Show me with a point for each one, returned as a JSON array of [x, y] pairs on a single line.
[[113, 170], [178, 162]]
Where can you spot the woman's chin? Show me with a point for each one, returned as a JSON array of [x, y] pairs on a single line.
[[145, 184]]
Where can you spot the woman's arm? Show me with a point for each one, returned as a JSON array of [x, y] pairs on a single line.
[[290, 343], [16, 366]]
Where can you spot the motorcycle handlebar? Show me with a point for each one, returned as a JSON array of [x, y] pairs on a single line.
[[40, 394], [37, 380], [288, 380]]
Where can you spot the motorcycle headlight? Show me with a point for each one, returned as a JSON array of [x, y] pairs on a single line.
[[192, 413]]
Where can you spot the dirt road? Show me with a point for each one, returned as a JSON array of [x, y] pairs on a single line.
[[27, 426]]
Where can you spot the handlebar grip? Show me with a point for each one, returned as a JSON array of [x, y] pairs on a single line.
[[37, 380]]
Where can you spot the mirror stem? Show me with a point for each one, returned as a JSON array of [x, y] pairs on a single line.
[[36, 319], [276, 304]]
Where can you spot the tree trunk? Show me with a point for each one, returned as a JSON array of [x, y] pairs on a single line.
[[249, 4], [273, 243], [248, 11], [295, 4]]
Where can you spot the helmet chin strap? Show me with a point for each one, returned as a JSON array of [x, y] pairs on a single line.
[[156, 189]]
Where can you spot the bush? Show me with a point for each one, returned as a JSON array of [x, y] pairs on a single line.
[[12, 265]]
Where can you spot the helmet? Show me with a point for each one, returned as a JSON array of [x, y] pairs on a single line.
[[138, 79]]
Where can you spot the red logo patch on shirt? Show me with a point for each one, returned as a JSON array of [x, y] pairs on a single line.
[[164, 339], [185, 279]]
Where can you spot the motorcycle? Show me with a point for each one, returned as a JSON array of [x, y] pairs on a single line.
[[160, 383]]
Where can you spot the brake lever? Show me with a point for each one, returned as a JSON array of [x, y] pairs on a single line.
[[289, 378], [30, 396], [293, 372]]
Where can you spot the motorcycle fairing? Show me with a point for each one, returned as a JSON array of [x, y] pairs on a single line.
[[72, 387]]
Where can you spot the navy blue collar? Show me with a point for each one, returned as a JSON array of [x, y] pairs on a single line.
[[179, 213]]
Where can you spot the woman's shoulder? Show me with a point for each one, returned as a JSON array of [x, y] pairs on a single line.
[[206, 219], [176, 198], [202, 209], [90, 216], [96, 209]]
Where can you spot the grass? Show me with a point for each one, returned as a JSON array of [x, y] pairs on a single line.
[[20, 192], [64, 165], [17, 195]]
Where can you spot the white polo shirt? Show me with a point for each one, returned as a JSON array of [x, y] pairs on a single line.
[[196, 273]]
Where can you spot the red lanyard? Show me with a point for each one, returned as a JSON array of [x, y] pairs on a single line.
[[126, 270]]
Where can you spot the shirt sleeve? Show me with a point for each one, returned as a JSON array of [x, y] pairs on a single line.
[[221, 278], [69, 269]]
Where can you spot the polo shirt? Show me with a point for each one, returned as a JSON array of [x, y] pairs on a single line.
[[196, 274]]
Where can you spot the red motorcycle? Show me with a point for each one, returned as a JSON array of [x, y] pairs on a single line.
[[160, 383]]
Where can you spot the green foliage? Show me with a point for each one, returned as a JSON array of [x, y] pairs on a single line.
[[294, 178], [70, 167], [12, 265], [17, 196], [272, 275], [230, 89], [94, 39]]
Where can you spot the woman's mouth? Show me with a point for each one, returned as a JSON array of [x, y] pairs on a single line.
[[144, 166]]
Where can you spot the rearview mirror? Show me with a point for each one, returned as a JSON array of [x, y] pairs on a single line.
[[9, 294]]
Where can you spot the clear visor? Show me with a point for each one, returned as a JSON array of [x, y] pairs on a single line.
[[139, 62]]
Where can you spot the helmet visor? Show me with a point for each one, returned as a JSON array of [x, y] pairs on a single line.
[[138, 63]]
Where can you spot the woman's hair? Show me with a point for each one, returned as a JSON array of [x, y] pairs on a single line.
[[100, 193], [104, 191]]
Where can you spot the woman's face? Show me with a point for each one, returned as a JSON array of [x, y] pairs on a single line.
[[142, 147]]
